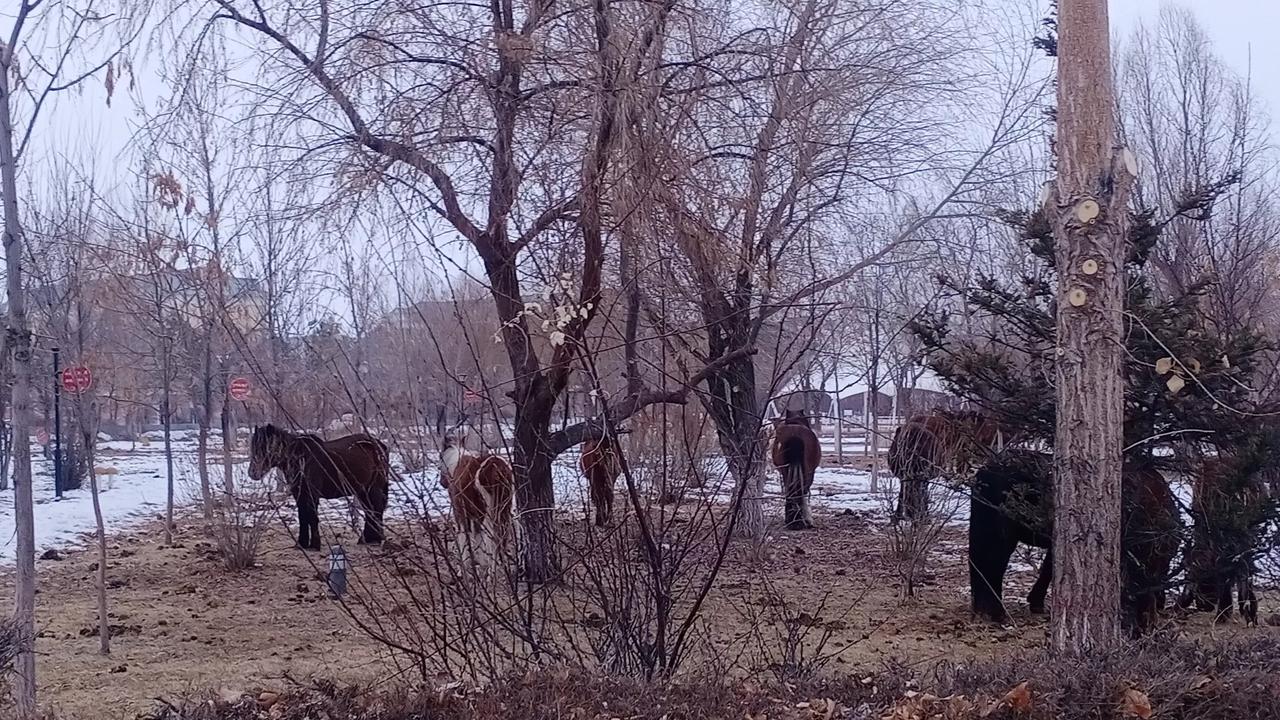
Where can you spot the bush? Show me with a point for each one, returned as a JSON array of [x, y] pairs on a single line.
[[547, 694], [8, 650], [1161, 678], [239, 523]]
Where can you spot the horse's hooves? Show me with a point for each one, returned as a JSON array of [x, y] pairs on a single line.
[[799, 525], [1038, 610]]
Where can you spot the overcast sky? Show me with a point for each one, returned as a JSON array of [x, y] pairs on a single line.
[[1243, 32]]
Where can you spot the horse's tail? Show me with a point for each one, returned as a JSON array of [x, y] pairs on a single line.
[[793, 451]]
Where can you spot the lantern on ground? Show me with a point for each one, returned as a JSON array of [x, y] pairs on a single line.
[[337, 571]]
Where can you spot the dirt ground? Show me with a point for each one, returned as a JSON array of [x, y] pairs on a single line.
[[183, 623]]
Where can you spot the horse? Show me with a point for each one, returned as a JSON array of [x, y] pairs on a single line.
[[1230, 501], [481, 491], [796, 454], [601, 466], [356, 465], [1012, 503], [928, 446]]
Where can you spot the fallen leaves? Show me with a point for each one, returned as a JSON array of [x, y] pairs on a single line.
[[1019, 698], [1135, 704]]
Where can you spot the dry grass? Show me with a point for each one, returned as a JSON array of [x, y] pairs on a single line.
[[184, 623]]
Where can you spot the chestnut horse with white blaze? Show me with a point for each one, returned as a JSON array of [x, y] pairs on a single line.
[[601, 467], [481, 490]]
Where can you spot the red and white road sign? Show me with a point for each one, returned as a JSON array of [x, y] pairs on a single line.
[[42, 436], [239, 389], [76, 380], [470, 396]]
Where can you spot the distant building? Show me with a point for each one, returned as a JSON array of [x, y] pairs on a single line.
[[909, 401]]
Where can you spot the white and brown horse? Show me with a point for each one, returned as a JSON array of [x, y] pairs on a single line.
[[481, 490]]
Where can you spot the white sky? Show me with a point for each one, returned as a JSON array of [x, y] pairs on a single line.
[[81, 126], [1243, 32]]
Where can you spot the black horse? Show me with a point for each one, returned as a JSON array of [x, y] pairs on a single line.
[[355, 465], [1012, 502]]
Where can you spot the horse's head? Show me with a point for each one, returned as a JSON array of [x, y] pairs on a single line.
[[264, 450], [975, 436], [795, 417], [451, 453]]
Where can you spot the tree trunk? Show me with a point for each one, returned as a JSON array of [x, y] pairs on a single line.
[[735, 410], [1092, 194], [228, 444], [18, 337], [202, 464], [104, 626], [535, 494], [166, 420]]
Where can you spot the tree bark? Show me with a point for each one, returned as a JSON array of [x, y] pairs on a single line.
[[535, 493], [18, 338], [1093, 184], [735, 410], [166, 420], [104, 626]]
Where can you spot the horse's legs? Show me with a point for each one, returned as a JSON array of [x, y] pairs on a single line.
[[304, 526], [1222, 599], [1035, 600], [989, 554], [308, 522], [1244, 595], [601, 496], [806, 514], [913, 497], [793, 510], [374, 503]]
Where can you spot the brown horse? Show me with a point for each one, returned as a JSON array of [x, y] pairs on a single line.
[[352, 466], [601, 467], [796, 454], [481, 489], [930, 446]]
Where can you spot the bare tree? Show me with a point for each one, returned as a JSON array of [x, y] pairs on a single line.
[[1195, 122], [40, 79], [755, 199], [1092, 195]]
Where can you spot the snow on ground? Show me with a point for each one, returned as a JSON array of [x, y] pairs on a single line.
[[135, 493]]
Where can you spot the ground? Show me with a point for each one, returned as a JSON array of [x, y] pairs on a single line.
[[183, 622]]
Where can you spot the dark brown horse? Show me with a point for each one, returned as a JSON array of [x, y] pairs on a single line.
[[796, 454], [1012, 503], [931, 446], [481, 490], [353, 466], [601, 467]]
